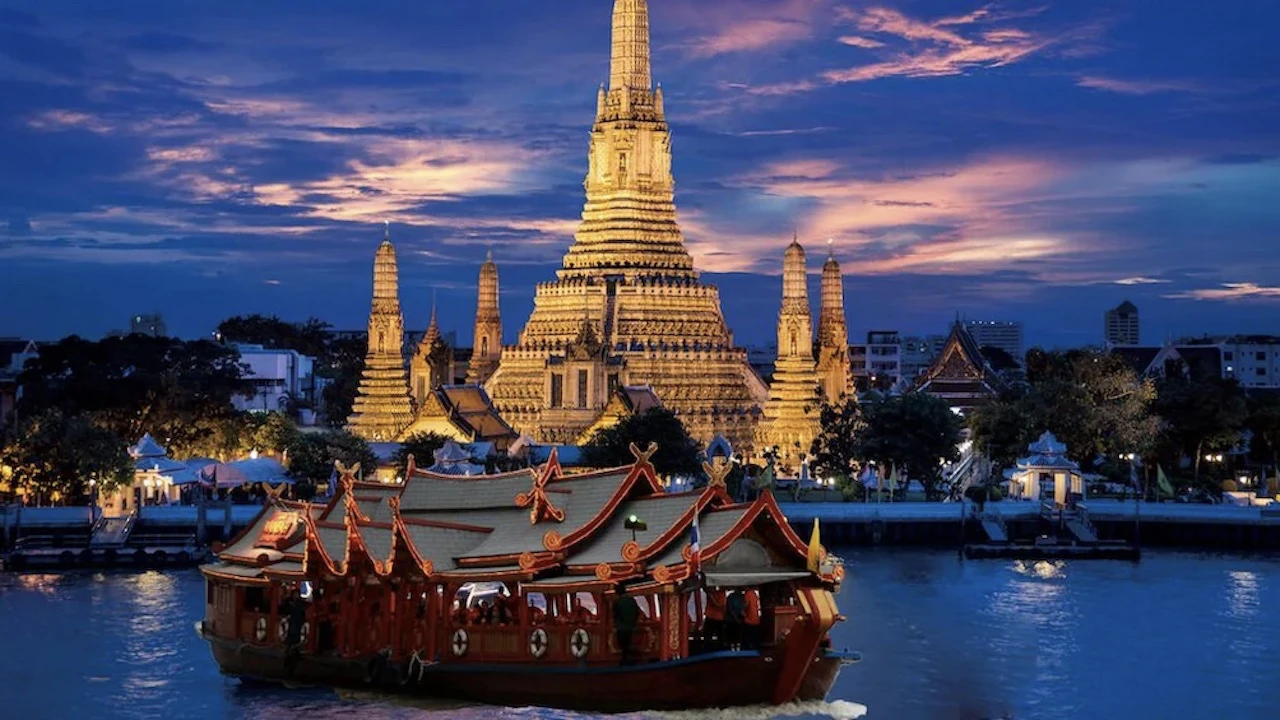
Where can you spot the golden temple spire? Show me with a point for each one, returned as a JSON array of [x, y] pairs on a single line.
[[833, 331], [629, 66], [382, 407]]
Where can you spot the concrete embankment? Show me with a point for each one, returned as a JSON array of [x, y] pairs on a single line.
[[1216, 527]]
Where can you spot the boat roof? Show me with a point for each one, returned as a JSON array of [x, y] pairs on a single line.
[[537, 526]]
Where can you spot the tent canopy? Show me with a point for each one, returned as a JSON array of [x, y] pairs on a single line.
[[246, 472]]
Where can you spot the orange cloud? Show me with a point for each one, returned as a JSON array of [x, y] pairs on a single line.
[[1231, 292], [744, 27]]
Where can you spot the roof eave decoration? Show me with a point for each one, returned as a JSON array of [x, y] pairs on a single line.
[[313, 537], [540, 507], [680, 527], [397, 521], [642, 468]]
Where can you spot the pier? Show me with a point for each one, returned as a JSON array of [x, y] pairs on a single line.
[[953, 524]]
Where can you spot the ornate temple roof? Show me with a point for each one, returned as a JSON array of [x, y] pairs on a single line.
[[960, 374]]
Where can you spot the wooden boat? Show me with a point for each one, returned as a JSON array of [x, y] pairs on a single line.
[[582, 592]]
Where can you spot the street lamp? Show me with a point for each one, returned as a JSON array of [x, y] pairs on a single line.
[[635, 524]]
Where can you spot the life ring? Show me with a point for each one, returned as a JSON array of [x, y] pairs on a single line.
[[460, 642], [260, 629], [306, 632], [580, 643], [538, 642], [283, 629]]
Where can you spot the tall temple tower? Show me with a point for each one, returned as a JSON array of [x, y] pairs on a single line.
[[627, 307], [790, 419], [833, 333], [488, 339], [432, 363], [382, 408]]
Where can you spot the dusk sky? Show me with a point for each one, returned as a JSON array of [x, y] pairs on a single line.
[[1033, 161]]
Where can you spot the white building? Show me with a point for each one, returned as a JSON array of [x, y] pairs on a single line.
[[1003, 334], [1253, 360], [877, 363], [282, 380]]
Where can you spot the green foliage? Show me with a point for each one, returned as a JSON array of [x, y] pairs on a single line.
[[341, 365], [1093, 402], [834, 450], [308, 338], [1201, 414], [677, 452], [312, 457], [272, 433], [914, 432], [178, 391], [422, 446], [53, 455], [1264, 424]]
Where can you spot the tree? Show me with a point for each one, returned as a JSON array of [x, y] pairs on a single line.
[[53, 456], [342, 365], [1200, 415], [1264, 425], [178, 391], [834, 451], [422, 446], [914, 432], [272, 433], [309, 338], [311, 458], [1003, 428], [677, 452]]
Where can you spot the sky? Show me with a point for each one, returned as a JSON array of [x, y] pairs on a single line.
[[1030, 161]]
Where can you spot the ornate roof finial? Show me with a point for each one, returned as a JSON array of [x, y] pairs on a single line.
[[831, 247], [629, 65], [386, 229]]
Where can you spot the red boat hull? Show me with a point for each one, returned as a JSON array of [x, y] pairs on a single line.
[[715, 680]]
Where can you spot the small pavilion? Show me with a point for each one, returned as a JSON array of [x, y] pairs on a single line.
[[157, 480], [1047, 469]]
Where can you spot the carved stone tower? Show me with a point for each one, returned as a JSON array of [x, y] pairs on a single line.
[[790, 419], [382, 407], [627, 307], [833, 334], [488, 343]]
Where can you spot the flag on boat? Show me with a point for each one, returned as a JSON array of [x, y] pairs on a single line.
[[695, 548], [815, 549], [1162, 482]]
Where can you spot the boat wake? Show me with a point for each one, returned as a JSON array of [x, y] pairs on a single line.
[[832, 710]]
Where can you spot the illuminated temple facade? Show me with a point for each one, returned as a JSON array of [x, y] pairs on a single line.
[[627, 307], [790, 420], [382, 406]]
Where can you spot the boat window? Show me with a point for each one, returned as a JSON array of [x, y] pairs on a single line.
[[255, 600], [208, 593], [537, 600], [585, 608]]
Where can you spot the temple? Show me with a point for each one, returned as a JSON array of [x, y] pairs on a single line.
[[790, 421], [961, 374], [834, 369], [431, 365], [488, 334], [627, 307], [382, 407]]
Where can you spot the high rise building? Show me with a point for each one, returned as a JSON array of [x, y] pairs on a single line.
[[790, 420], [1121, 325], [627, 307], [833, 333], [1003, 334], [488, 337], [382, 408]]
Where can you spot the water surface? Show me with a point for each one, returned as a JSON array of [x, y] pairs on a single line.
[[1177, 635]]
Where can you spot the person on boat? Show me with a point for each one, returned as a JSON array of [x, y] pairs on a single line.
[[626, 613], [751, 619], [713, 625], [736, 615]]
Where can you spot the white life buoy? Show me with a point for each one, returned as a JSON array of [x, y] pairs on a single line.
[[460, 642], [260, 629], [580, 643], [538, 642], [283, 629], [306, 632]]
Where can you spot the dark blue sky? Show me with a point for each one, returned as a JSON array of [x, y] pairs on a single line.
[[1029, 161]]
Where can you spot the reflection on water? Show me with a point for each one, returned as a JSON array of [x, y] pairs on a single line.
[[1178, 635]]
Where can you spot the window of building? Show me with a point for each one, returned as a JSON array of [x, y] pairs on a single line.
[[1262, 371], [484, 346], [1260, 355], [557, 390], [582, 389], [622, 164], [1228, 356], [613, 383]]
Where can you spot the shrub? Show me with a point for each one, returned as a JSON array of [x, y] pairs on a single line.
[[995, 494], [1230, 486]]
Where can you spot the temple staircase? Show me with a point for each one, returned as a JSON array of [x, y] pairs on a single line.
[[112, 532]]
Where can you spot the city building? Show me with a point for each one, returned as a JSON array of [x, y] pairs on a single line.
[[919, 352], [14, 353], [961, 374], [383, 408], [627, 306], [877, 364], [833, 332], [1251, 360], [790, 419], [1003, 334], [1120, 325], [283, 380]]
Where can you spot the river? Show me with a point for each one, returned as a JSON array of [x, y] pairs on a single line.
[[1177, 635]]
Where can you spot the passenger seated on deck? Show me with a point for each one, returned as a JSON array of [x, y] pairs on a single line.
[[735, 618]]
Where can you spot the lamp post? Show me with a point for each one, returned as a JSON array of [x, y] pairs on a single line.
[[635, 524]]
